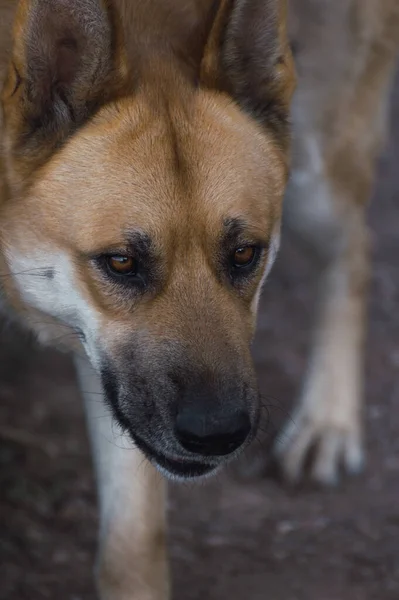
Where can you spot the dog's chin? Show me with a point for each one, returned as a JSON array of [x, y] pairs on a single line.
[[182, 471], [173, 468]]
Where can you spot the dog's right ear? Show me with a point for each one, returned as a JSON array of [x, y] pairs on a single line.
[[64, 54]]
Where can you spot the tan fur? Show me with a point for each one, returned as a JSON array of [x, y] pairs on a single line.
[[171, 120]]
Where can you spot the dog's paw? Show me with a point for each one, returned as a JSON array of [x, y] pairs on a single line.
[[318, 434]]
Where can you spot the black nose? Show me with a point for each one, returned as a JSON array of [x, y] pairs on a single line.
[[211, 434]]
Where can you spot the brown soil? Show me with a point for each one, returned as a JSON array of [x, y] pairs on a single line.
[[236, 539]]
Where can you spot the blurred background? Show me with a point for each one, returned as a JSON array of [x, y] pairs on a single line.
[[234, 537]]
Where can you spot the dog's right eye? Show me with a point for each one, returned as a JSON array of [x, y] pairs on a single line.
[[119, 264], [123, 270]]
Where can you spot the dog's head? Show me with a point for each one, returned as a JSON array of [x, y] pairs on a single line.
[[142, 205]]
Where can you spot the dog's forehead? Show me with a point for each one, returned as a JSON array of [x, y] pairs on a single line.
[[134, 167]]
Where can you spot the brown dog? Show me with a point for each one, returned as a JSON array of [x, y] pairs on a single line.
[[145, 156]]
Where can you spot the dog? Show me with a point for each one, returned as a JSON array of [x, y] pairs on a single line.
[[147, 147]]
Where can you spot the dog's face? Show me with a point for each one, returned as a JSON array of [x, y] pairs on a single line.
[[144, 236]]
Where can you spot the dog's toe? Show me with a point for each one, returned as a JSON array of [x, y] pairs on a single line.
[[329, 447]]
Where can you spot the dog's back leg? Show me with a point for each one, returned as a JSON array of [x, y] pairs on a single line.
[[132, 562], [339, 122]]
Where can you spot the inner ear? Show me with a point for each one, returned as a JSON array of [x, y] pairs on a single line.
[[67, 55], [247, 55], [64, 54]]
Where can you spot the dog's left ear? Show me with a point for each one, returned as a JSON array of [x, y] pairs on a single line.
[[247, 55]]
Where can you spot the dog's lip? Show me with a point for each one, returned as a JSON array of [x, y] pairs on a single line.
[[179, 467], [182, 469]]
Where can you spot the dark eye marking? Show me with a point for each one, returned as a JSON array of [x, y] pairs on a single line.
[[134, 265], [122, 268]]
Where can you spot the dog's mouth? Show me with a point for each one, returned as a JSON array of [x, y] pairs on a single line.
[[175, 468], [181, 469]]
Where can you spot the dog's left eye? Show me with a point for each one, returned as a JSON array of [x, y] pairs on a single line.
[[244, 257]]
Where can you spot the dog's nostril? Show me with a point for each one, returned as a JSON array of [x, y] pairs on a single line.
[[209, 436]]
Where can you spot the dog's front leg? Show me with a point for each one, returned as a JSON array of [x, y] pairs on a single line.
[[131, 563]]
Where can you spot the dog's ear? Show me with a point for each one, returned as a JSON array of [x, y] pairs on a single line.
[[247, 55], [63, 55]]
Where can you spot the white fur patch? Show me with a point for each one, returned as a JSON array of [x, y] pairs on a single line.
[[46, 282]]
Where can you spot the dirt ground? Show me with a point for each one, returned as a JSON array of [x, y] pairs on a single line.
[[235, 539]]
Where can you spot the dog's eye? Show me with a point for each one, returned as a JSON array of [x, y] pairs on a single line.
[[244, 257], [121, 265]]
